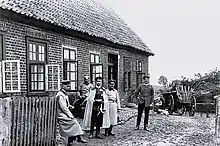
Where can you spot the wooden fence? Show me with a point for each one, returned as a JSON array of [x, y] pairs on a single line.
[[34, 121]]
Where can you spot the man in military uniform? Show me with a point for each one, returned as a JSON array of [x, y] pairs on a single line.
[[97, 109], [68, 125], [145, 95]]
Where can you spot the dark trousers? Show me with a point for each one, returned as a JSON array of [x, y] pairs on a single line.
[[141, 108], [96, 119]]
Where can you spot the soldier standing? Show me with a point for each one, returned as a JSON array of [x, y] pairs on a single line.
[[97, 109], [114, 106], [145, 95]]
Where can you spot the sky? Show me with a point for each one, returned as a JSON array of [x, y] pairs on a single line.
[[183, 34]]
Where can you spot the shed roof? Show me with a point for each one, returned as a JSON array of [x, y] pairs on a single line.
[[86, 16]]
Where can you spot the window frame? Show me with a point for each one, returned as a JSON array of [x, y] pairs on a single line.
[[47, 78], [4, 78], [30, 62], [3, 51], [71, 61], [2, 57], [92, 64], [127, 73], [91, 71], [137, 77]]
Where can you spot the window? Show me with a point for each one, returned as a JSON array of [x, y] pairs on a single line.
[[95, 66], [36, 60], [70, 67], [2, 57], [139, 77], [138, 66], [11, 76], [52, 77], [127, 73], [1, 47]]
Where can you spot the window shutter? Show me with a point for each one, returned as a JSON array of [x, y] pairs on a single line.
[[52, 77], [11, 76]]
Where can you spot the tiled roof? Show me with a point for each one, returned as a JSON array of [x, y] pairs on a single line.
[[86, 16]]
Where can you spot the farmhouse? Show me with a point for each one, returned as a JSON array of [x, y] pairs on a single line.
[[45, 41]]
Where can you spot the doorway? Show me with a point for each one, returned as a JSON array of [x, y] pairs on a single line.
[[113, 68]]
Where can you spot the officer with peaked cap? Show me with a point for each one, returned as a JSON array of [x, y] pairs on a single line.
[[68, 125]]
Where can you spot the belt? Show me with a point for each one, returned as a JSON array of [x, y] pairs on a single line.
[[111, 100]]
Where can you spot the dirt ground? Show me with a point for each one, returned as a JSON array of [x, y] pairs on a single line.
[[165, 130]]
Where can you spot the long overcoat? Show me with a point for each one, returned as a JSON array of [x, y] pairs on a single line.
[[88, 110], [68, 126]]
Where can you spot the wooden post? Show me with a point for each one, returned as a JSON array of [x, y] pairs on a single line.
[[5, 121], [217, 118]]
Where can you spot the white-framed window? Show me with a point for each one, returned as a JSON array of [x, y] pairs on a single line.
[[70, 66], [95, 66], [11, 76], [52, 77]]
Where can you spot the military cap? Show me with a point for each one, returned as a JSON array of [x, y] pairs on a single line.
[[146, 76], [98, 78], [111, 81]]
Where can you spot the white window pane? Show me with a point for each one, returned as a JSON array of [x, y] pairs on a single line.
[[34, 68], [34, 48], [68, 66], [41, 69], [73, 67], [73, 85], [40, 59], [15, 85], [93, 69], [66, 54], [7, 66], [73, 76], [30, 56], [40, 77], [40, 85], [30, 48], [92, 58], [72, 55], [68, 76], [39, 49], [42, 49], [34, 56], [8, 85], [97, 59]]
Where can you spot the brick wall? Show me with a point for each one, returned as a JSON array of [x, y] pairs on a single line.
[[15, 36]]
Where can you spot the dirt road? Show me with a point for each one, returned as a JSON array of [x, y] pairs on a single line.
[[165, 130]]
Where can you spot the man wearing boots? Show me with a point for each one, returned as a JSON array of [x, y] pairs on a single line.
[[97, 109], [114, 106], [145, 95], [68, 125]]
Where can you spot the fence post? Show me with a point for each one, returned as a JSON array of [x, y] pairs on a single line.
[[5, 121]]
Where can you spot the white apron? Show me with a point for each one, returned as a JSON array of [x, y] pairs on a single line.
[[114, 105]]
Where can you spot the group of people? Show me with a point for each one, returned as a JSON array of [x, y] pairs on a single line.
[[101, 110]]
